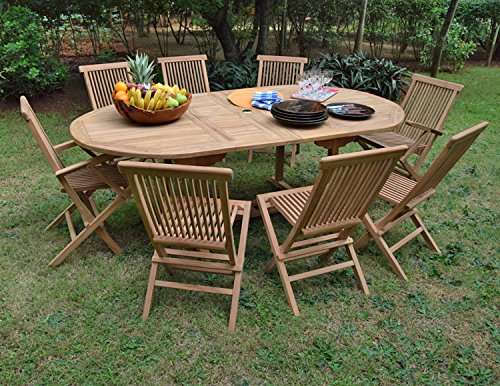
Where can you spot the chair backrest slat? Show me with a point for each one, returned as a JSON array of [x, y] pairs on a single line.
[[449, 156], [279, 70], [427, 102], [40, 136], [189, 72], [100, 80], [186, 205], [344, 189]]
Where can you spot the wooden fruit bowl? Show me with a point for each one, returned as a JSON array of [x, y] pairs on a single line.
[[146, 117]]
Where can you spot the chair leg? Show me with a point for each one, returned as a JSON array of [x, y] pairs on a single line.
[[60, 217], [358, 272], [417, 220], [87, 231], [362, 241], [269, 265], [149, 292], [108, 240], [235, 301], [250, 156], [101, 231], [384, 248], [71, 226], [287, 286]]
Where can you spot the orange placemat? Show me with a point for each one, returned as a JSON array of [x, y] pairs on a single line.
[[243, 98]]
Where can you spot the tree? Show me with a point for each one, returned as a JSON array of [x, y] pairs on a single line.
[[361, 26], [284, 27], [262, 14], [493, 45], [441, 38], [482, 20], [222, 16]]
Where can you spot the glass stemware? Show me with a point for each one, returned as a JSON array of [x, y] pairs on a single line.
[[313, 81]]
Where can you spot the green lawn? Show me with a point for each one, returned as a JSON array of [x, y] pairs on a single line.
[[81, 323]]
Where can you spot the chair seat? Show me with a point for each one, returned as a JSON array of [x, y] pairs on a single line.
[[86, 179], [290, 203], [388, 139], [396, 188]]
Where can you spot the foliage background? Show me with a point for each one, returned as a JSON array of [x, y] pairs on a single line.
[[231, 33]]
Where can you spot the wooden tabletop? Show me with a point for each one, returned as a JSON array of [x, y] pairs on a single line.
[[213, 125]]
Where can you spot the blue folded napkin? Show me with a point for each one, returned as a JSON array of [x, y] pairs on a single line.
[[265, 99]]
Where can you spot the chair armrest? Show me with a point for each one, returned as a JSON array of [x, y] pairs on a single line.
[[68, 145], [64, 146], [89, 162], [423, 127]]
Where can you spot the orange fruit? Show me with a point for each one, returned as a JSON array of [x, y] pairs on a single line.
[[121, 96], [121, 86]]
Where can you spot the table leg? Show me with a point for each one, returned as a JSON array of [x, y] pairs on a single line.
[[333, 145], [278, 179], [201, 161]]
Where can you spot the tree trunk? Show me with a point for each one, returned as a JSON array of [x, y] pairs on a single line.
[[441, 39], [284, 27], [493, 45], [227, 41], [139, 23], [223, 31], [361, 27], [262, 13]]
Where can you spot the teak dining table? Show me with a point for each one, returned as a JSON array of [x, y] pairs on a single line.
[[213, 127]]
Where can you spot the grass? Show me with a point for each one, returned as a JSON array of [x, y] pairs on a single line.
[[80, 323]]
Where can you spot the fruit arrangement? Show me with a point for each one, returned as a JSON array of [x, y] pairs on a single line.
[[140, 99], [156, 97]]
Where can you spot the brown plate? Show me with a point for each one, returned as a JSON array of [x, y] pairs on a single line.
[[350, 110], [300, 107]]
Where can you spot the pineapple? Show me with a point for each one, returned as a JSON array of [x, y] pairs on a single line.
[[141, 69]]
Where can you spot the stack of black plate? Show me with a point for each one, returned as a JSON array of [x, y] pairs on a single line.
[[299, 113]]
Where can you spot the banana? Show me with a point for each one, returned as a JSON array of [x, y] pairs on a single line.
[[138, 95], [131, 93], [159, 104], [147, 97], [156, 97], [151, 105], [140, 103], [131, 101]]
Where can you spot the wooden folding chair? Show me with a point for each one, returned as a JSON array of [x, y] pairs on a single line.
[[405, 194], [426, 105], [189, 218], [100, 81], [79, 181], [277, 71], [189, 72], [324, 215]]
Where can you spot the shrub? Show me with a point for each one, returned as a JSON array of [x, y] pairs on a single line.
[[456, 51], [377, 76], [26, 68], [228, 75]]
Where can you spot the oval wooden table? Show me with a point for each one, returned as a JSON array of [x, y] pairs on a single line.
[[213, 127]]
